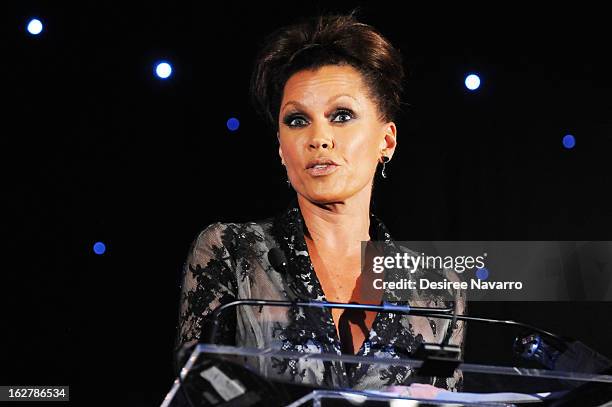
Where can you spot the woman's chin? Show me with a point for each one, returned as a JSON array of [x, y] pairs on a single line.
[[327, 196]]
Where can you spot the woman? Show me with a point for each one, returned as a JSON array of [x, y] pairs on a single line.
[[330, 88]]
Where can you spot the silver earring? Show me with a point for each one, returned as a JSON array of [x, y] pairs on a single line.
[[385, 160]]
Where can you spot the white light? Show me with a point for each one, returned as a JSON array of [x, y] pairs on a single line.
[[472, 82], [163, 70], [35, 26]]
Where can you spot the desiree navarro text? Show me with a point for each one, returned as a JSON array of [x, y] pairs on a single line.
[[425, 284]]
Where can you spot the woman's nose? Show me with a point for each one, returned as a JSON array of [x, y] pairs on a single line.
[[319, 143], [321, 138]]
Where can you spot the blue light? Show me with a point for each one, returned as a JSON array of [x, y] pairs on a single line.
[[569, 141], [233, 124], [35, 26], [163, 70], [99, 248], [482, 273], [472, 82]]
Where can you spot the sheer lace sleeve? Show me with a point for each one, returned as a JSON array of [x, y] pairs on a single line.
[[208, 281]]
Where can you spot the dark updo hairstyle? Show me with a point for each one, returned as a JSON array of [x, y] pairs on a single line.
[[327, 40]]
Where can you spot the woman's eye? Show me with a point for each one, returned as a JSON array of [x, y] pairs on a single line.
[[342, 116], [295, 122]]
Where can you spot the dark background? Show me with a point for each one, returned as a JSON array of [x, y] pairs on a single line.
[[94, 147]]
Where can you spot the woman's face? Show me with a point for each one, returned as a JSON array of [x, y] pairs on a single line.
[[328, 115]]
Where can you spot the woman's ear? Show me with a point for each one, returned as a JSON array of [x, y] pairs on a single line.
[[389, 141], [280, 153]]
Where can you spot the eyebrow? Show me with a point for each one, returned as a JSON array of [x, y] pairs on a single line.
[[298, 104]]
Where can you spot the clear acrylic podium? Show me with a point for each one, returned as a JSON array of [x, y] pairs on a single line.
[[217, 375]]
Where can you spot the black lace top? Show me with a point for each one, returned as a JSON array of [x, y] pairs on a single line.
[[229, 261]]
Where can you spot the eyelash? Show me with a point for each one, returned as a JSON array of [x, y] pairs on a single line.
[[290, 118]]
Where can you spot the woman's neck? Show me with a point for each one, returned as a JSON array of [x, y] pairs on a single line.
[[338, 227]]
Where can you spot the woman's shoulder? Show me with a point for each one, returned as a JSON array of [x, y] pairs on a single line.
[[224, 243], [229, 234]]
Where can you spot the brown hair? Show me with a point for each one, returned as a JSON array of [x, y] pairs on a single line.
[[327, 40]]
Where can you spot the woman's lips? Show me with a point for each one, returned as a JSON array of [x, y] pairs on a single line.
[[322, 169]]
